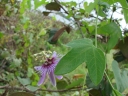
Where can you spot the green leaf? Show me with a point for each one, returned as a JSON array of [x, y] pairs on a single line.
[[29, 4], [110, 1], [17, 62], [113, 31], [53, 6], [120, 77], [21, 94], [83, 52], [45, 13], [23, 6], [95, 61], [125, 9], [71, 60], [90, 84], [42, 32], [91, 6], [61, 84], [72, 3], [24, 81], [1, 34], [75, 83], [124, 5], [80, 43], [110, 28], [32, 88], [30, 72], [117, 93], [101, 13], [38, 3]]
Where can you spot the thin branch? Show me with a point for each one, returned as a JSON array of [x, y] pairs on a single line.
[[48, 90], [96, 17]]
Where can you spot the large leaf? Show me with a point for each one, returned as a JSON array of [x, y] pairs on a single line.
[[95, 61], [113, 31], [80, 43], [71, 60], [83, 52], [120, 77], [110, 28]]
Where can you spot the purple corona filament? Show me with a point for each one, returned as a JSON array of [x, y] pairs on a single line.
[[48, 69]]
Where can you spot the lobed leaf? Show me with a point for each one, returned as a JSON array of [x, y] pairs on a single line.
[[80, 53]]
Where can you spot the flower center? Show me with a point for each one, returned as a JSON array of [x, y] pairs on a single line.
[[49, 61]]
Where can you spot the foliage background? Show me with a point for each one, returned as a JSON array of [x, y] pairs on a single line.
[[24, 39]]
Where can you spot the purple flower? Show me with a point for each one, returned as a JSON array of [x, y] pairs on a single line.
[[48, 68]]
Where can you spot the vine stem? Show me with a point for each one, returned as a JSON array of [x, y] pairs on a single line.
[[109, 80], [96, 30], [83, 85]]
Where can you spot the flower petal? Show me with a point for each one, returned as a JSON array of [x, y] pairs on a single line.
[[42, 78], [59, 77], [54, 54], [38, 68], [52, 77]]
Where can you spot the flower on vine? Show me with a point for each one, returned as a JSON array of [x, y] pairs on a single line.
[[48, 69]]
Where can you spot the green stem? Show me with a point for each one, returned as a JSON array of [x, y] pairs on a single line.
[[109, 80], [84, 84], [96, 30]]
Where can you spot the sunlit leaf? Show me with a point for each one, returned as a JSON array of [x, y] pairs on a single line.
[[91, 6], [38, 3], [101, 13]]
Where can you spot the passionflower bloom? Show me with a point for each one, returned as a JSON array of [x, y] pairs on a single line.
[[48, 69]]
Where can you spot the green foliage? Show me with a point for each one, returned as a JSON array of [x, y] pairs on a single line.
[[1, 34], [75, 83], [53, 6], [120, 77], [93, 57], [91, 6], [114, 31], [26, 41]]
